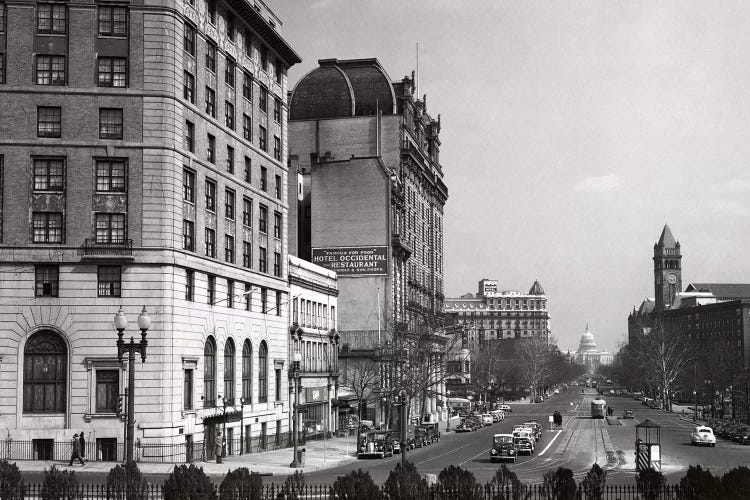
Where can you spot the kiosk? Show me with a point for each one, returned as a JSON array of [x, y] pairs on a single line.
[[648, 446]]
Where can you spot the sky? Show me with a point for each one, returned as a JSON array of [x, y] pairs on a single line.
[[572, 131]]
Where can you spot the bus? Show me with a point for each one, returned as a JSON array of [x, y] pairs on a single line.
[[598, 407], [459, 404]]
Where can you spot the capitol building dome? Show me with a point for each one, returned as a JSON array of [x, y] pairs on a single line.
[[589, 355]]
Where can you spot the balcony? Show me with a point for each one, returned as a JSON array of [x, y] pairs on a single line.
[[112, 250], [401, 247]]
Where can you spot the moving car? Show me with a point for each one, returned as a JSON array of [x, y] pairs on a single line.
[[506, 408], [375, 443], [628, 414], [503, 448], [742, 435], [536, 428], [524, 442], [703, 435]]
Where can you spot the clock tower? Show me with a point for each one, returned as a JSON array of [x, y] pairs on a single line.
[[667, 270]]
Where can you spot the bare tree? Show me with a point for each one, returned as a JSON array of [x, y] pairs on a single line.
[[666, 355], [534, 366], [361, 377]]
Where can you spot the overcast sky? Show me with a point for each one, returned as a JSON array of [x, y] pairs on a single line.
[[571, 133]]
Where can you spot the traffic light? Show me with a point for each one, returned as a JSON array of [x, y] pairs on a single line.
[[118, 410]]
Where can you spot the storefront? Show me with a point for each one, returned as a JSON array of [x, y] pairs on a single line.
[[314, 412]]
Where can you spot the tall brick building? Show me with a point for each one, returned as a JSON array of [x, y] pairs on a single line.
[[368, 199], [142, 162]]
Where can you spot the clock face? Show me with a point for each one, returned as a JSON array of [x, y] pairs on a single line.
[[671, 278]]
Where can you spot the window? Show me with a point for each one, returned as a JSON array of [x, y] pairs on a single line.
[[113, 21], [50, 70], [264, 58], [109, 279], [48, 121], [188, 235], [277, 148], [48, 174], [262, 218], [264, 300], [230, 294], [211, 291], [277, 394], [211, 148], [247, 369], [277, 224], [229, 114], [190, 136], [210, 195], [264, 178], [47, 227], [262, 138], [248, 44], [229, 72], [262, 260], [263, 99], [277, 110], [187, 390], [189, 285], [230, 159], [2, 64], [211, 7], [2, 17], [189, 39], [47, 281], [247, 212], [210, 102], [188, 89], [209, 373], [113, 72], [110, 228], [247, 255], [210, 243], [229, 204], [277, 187], [248, 170], [262, 373], [279, 70], [110, 123], [247, 132], [277, 264], [247, 85], [51, 18], [229, 371], [229, 248], [107, 390], [188, 185], [45, 368], [110, 176], [230, 27], [211, 56], [278, 302]]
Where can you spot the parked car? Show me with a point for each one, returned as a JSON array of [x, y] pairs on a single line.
[[375, 443], [421, 437], [506, 408], [487, 418], [557, 391], [703, 435], [742, 436], [524, 442], [539, 399], [628, 414], [463, 426], [503, 448], [537, 428], [476, 422]]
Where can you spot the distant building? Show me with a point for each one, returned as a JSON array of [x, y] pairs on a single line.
[[589, 355], [495, 314]]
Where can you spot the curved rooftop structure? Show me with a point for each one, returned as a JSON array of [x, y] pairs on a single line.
[[536, 288], [587, 341], [339, 89]]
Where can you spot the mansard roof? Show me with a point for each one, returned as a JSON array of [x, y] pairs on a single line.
[[722, 291]]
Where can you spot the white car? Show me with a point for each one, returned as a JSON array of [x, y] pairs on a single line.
[[557, 391], [703, 435], [488, 420], [506, 408]]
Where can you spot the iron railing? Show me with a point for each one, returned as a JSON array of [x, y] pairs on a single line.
[[92, 247]]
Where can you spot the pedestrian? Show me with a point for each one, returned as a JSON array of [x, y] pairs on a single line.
[[83, 446], [76, 451]]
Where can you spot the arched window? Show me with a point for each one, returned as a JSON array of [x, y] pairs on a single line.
[[209, 373], [45, 373], [247, 371], [229, 371], [263, 373]]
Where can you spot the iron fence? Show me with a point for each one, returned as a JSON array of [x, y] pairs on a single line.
[[325, 492]]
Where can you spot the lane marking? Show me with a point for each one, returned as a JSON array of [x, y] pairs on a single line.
[[550, 443], [475, 456]]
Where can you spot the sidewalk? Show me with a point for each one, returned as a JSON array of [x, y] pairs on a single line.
[[318, 455]]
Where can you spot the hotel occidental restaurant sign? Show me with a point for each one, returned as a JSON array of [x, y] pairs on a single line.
[[353, 261]]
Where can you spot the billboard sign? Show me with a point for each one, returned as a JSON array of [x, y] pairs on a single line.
[[353, 261]]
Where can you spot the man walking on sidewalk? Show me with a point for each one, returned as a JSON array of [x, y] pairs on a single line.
[[76, 451]]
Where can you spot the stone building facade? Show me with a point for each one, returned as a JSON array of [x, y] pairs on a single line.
[[142, 162]]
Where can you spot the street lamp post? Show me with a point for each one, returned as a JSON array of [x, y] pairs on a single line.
[[121, 323], [243, 402], [296, 358], [695, 403], [404, 409], [448, 405]]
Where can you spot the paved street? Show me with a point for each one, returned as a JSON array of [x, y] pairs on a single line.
[[581, 442]]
